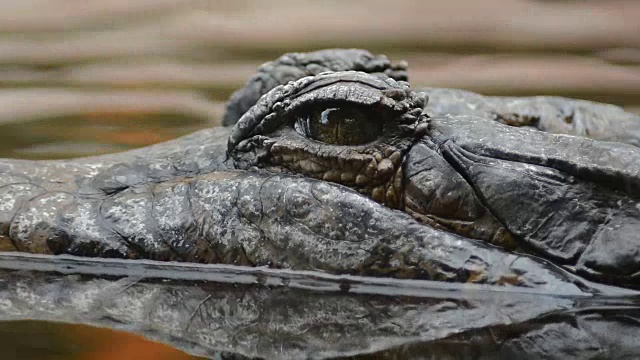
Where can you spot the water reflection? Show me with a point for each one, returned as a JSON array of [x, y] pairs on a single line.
[[38, 340], [221, 310]]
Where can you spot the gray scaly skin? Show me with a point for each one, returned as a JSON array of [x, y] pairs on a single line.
[[263, 194]]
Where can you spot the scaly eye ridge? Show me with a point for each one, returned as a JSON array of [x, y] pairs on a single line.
[[339, 125]]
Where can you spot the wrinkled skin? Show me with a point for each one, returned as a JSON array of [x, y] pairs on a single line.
[[468, 174], [454, 187]]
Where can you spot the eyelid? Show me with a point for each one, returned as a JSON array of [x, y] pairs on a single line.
[[352, 94], [380, 86]]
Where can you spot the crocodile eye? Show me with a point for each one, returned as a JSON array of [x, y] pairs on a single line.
[[339, 125]]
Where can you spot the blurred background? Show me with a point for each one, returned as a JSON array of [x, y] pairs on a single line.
[[83, 77]]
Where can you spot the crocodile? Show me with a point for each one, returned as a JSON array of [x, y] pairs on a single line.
[[331, 165], [334, 163]]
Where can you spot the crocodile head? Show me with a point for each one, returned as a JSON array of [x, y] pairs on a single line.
[[569, 199], [366, 132], [331, 138], [447, 162]]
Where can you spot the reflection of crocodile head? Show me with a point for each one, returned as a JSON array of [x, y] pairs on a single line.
[[463, 166]]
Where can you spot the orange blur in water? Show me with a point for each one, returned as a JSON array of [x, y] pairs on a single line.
[[42, 340], [111, 345], [129, 347]]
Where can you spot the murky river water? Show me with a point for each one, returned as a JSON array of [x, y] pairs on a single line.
[[88, 77]]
